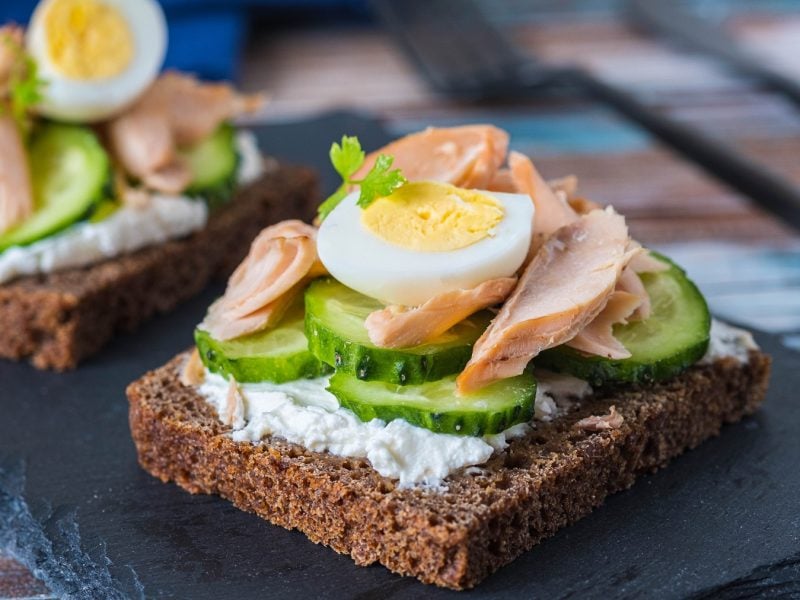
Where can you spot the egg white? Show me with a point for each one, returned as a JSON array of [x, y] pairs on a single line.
[[394, 275], [82, 100]]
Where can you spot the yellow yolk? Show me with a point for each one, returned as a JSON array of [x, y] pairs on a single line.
[[87, 39], [433, 217]]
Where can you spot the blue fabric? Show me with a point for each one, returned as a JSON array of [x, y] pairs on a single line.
[[207, 43], [205, 36]]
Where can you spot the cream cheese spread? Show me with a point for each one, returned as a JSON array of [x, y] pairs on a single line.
[[555, 393], [727, 340], [130, 228], [304, 412], [251, 163]]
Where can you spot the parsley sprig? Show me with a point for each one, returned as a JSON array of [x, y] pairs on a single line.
[[347, 158], [24, 86]]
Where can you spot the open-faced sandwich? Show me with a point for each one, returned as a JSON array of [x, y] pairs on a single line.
[[461, 359], [122, 192]]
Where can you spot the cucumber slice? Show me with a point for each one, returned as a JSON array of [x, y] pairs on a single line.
[[70, 173], [213, 163], [278, 355], [103, 209], [435, 406], [335, 317], [674, 337]]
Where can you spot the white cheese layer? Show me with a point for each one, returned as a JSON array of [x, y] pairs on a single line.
[[555, 393], [727, 340], [251, 163], [305, 413], [130, 228]]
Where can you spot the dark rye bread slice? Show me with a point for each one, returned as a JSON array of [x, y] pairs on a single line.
[[487, 517], [58, 319]]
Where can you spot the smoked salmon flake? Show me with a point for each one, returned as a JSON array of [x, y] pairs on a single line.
[[566, 285], [176, 111], [281, 261], [403, 327], [597, 337], [193, 372], [16, 192], [467, 156], [552, 209]]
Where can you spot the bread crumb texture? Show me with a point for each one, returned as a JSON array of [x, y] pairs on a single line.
[[486, 516]]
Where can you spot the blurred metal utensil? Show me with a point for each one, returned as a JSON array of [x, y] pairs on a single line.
[[670, 19], [463, 55]]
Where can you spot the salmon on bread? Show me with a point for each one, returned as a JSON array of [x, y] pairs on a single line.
[[195, 109], [281, 259], [467, 156], [629, 281], [222, 326], [177, 111], [597, 337], [629, 302], [556, 206], [16, 191], [403, 327], [552, 210], [566, 285], [503, 182]]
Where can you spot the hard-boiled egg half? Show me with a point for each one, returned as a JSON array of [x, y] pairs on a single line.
[[97, 56], [425, 239]]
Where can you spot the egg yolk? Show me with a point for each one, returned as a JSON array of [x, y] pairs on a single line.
[[87, 39], [433, 217]]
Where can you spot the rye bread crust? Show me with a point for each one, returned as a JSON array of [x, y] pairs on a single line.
[[58, 319], [487, 517]]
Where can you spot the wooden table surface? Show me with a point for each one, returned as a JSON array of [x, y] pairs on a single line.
[[746, 262]]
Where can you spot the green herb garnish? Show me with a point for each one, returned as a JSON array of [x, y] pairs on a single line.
[[347, 158], [380, 181], [24, 84]]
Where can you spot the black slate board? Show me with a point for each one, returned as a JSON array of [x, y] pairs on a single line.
[[722, 521]]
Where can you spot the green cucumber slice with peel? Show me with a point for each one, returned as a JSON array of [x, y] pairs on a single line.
[[70, 174], [278, 355], [103, 209], [435, 405], [213, 163], [335, 316], [672, 338]]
